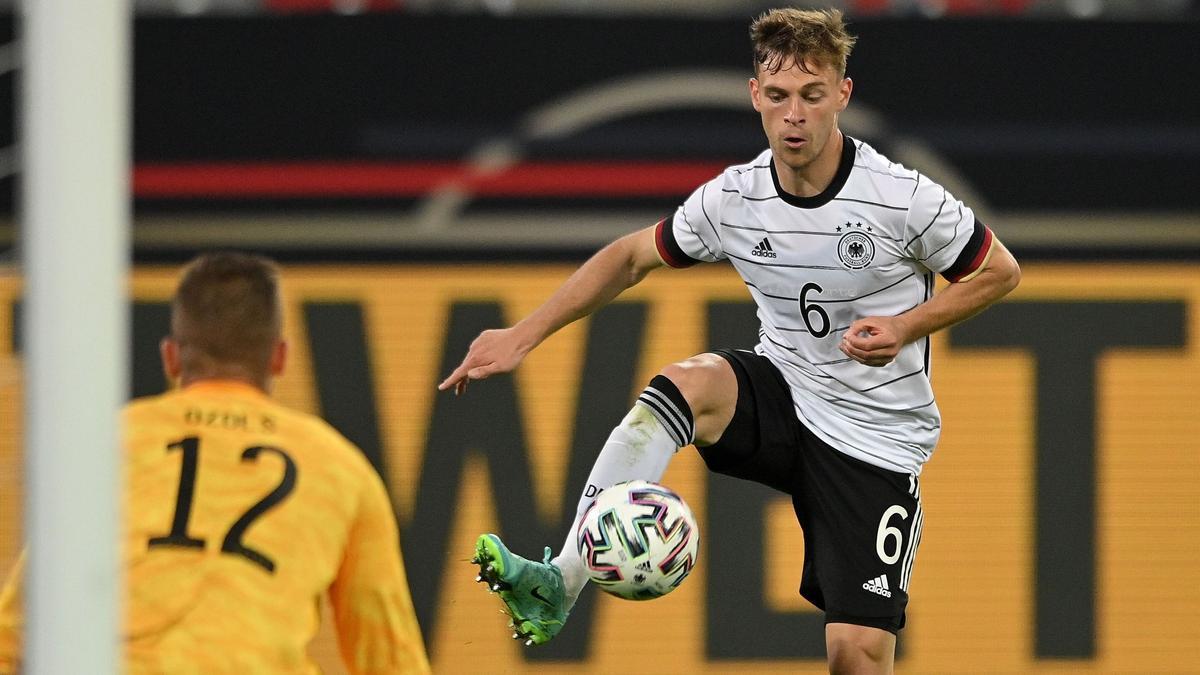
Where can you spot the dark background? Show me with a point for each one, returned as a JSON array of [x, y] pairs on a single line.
[[1038, 114]]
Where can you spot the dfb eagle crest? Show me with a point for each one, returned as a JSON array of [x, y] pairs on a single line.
[[856, 250]]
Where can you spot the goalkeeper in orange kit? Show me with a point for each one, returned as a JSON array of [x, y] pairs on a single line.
[[239, 513]]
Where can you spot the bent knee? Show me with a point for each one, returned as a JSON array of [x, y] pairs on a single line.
[[699, 376], [709, 386]]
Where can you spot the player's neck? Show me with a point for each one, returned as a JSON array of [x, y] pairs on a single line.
[[813, 178], [263, 384]]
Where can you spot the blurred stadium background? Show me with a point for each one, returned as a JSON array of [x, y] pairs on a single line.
[[429, 168]]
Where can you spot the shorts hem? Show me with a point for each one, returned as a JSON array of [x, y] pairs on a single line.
[[891, 624]]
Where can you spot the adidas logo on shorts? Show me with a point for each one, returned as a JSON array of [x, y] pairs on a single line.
[[878, 585]]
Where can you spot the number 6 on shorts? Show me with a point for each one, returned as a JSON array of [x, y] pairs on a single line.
[[886, 532]]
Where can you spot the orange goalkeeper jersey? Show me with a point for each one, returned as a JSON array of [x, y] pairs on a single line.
[[239, 515]]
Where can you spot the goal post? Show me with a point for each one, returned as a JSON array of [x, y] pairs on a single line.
[[74, 242]]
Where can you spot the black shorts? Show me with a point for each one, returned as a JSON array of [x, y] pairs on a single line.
[[861, 523]]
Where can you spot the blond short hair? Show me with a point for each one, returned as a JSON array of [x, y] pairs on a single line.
[[804, 36]]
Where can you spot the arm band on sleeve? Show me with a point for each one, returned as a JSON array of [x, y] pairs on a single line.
[[973, 255], [668, 248]]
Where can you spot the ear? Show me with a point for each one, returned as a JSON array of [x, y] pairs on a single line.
[[278, 358], [844, 93], [754, 94], [168, 350]]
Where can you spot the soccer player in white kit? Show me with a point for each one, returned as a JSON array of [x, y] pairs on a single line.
[[838, 246]]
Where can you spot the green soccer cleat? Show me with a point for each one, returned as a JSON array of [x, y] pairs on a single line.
[[532, 592]]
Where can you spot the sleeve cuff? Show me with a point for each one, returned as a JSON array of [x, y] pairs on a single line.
[[973, 257], [669, 249]]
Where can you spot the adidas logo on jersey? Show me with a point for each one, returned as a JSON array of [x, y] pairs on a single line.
[[878, 586], [763, 250]]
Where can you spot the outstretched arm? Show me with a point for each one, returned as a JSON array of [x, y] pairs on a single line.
[[603, 277], [876, 340]]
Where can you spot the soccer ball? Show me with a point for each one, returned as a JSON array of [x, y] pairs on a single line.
[[638, 540]]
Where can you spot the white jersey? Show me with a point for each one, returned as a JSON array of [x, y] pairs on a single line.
[[867, 246]]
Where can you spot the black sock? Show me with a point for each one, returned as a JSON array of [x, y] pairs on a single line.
[[665, 402]]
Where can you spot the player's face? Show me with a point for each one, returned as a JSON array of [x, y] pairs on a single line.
[[799, 110]]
